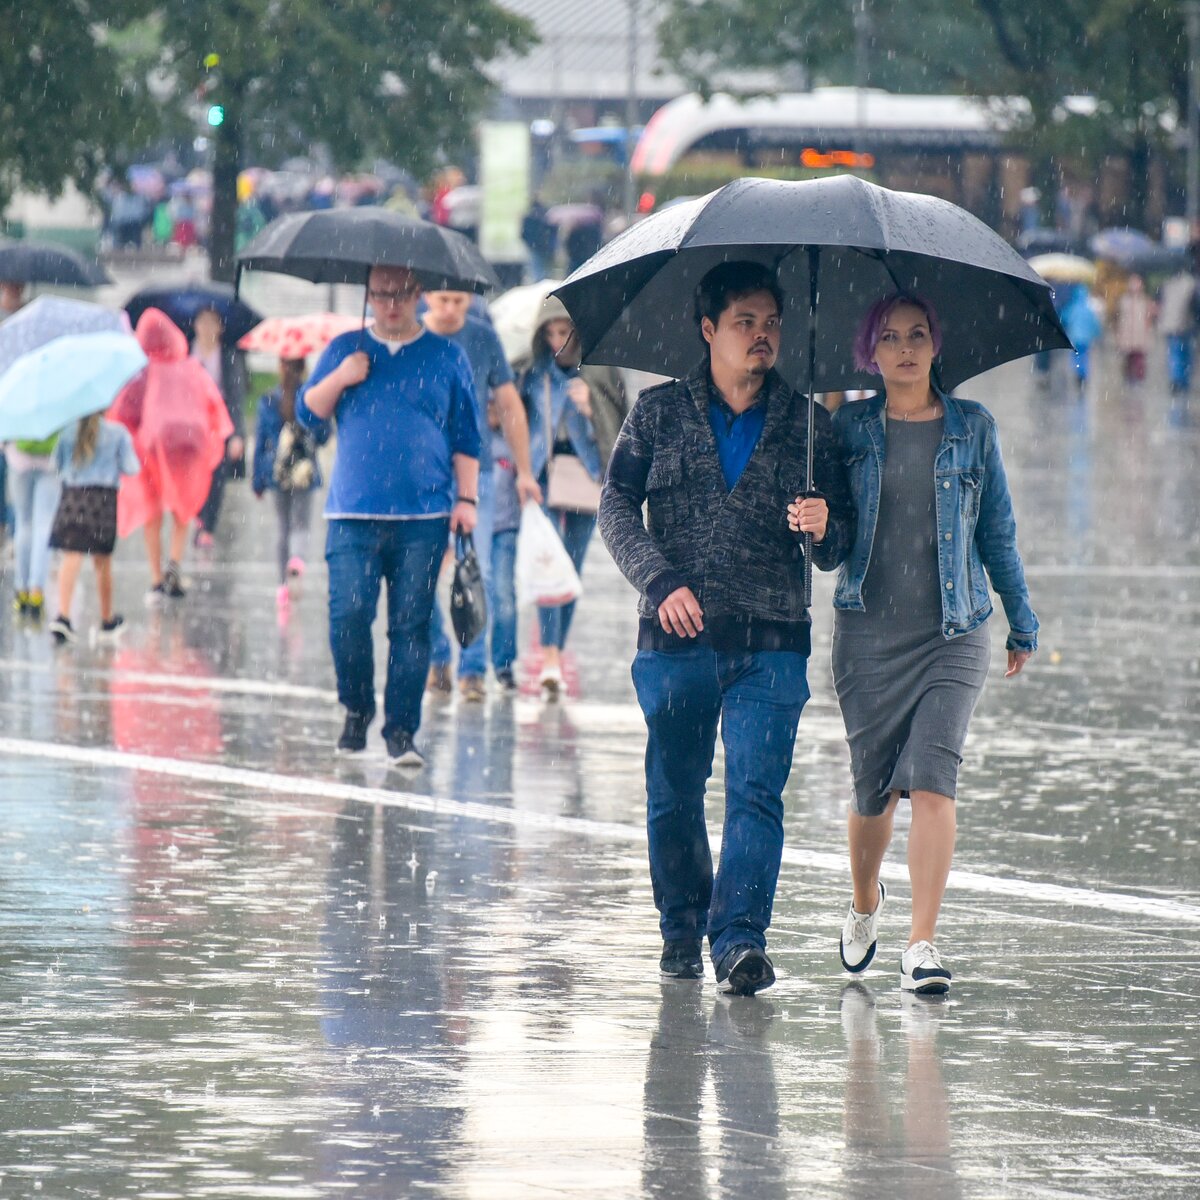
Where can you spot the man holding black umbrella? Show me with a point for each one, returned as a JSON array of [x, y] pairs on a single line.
[[408, 441], [724, 632]]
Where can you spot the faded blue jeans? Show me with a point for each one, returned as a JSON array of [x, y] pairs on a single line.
[[757, 697], [503, 600], [362, 555], [35, 493]]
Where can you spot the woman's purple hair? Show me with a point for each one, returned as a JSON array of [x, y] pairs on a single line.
[[871, 328]]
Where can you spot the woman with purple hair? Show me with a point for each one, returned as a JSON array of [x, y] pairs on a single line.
[[911, 647]]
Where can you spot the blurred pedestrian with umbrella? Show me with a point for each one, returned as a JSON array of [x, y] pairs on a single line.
[[406, 475], [724, 630], [180, 426], [226, 366], [43, 391], [1134, 332], [91, 457], [911, 646], [185, 300], [576, 413], [47, 262], [1177, 323], [285, 464], [407, 467]]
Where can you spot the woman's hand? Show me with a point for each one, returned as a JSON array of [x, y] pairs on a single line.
[[1016, 660], [808, 515], [580, 395]]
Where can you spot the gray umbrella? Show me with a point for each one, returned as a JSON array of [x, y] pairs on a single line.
[[50, 317], [46, 262], [341, 245], [632, 302], [837, 245]]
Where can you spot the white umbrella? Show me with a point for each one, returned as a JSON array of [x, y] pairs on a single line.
[[515, 313]]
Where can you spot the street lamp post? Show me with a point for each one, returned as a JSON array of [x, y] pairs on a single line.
[[631, 111], [1191, 11]]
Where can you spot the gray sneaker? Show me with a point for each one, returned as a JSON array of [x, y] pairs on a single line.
[[859, 935]]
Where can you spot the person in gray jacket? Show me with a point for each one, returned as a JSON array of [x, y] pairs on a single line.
[[724, 630]]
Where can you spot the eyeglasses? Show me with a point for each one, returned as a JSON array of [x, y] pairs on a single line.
[[394, 297]]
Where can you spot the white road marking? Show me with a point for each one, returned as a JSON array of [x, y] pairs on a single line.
[[1059, 895]]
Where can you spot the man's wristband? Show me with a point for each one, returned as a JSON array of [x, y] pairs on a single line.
[[468, 500]]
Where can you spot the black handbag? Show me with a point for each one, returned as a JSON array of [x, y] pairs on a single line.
[[468, 604]]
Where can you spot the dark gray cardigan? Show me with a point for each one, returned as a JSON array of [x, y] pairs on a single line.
[[732, 548]]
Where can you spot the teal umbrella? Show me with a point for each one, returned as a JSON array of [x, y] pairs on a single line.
[[68, 378]]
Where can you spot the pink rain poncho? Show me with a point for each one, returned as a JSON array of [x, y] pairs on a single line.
[[179, 424]]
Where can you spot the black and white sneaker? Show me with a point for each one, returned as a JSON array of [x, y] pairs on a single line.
[[744, 970], [354, 733], [112, 629], [61, 630], [401, 752], [172, 583], [682, 959], [155, 596], [921, 971], [859, 935]]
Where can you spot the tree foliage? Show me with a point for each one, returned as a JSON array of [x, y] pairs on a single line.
[[67, 104], [1130, 56]]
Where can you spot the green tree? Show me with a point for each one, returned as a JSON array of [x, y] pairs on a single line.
[[68, 104], [399, 78], [1130, 56]]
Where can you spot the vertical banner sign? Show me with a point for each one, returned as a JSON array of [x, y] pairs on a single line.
[[504, 163]]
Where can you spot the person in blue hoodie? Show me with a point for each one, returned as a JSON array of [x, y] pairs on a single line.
[[405, 475], [285, 464]]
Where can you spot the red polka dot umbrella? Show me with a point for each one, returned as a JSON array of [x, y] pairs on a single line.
[[297, 337]]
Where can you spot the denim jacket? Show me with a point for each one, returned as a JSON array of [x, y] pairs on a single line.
[[562, 412], [976, 530]]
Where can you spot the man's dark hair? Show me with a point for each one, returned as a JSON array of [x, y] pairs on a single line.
[[726, 282]]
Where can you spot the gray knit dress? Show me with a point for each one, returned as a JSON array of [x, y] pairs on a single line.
[[906, 692]]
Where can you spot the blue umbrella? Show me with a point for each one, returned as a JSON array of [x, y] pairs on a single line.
[[68, 378], [49, 317]]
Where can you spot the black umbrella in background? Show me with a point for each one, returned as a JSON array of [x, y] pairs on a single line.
[[341, 245], [182, 301], [837, 245], [47, 262]]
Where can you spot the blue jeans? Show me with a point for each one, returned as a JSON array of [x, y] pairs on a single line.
[[35, 495], [361, 555], [575, 529], [473, 660], [503, 600], [1179, 361], [758, 698]]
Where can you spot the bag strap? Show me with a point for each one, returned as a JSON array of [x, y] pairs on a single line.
[[549, 407], [464, 544]]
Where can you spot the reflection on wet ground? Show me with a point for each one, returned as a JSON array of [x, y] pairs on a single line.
[[235, 966]]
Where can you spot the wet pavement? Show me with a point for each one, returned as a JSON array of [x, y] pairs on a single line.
[[235, 966]]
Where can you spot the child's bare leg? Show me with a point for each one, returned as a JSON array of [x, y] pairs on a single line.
[[104, 585], [68, 576]]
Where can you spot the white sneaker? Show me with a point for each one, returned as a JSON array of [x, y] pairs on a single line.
[[859, 935], [921, 971]]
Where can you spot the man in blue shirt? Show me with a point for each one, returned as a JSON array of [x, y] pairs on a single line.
[[723, 641], [449, 317], [408, 444]]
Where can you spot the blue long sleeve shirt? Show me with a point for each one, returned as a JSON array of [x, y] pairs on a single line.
[[399, 429]]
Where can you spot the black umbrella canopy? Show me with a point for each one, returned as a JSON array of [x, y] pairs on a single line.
[[632, 302], [182, 301], [341, 245], [47, 262]]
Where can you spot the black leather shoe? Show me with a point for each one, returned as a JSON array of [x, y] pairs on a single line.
[[744, 970], [682, 960], [354, 733]]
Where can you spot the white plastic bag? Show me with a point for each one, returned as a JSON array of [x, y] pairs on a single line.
[[545, 574]]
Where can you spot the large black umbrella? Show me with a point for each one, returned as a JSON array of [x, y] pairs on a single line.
[[182, 301], [47, 262], [837, 245], [341, 245]]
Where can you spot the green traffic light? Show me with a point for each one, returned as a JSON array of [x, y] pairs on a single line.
[[216, 114]]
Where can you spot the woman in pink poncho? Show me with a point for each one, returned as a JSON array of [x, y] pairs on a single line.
[[179, 425]]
